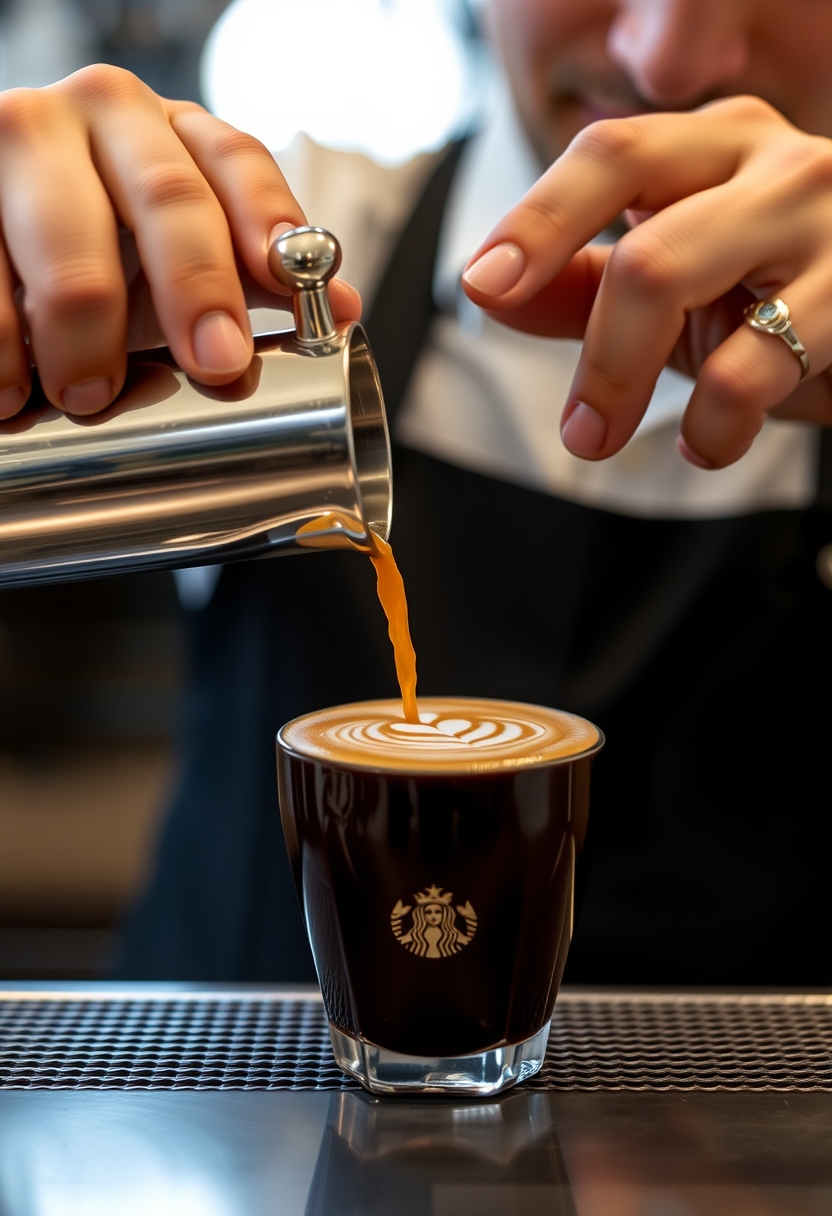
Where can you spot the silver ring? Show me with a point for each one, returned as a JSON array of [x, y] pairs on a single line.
[[772, 317]]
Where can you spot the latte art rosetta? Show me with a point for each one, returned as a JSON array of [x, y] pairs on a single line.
[[453, 733], [436, 731]]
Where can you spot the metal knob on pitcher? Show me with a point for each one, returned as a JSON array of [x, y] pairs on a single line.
[[176, 473]]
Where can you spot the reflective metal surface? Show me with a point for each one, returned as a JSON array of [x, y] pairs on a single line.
[[346, 1153], [86, 1035], [438, 1158], [176, 474], [304, 260], [308, 1154]]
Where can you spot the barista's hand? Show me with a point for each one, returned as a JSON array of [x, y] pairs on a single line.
[[128, 220], [734, 203]]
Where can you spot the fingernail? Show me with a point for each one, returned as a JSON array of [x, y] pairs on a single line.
[[11, 400], [278, 230], [584, 432], [497, 271], [220, 345], [89, 396], [690, 456]]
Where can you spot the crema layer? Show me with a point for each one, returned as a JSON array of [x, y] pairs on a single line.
[[454, 734]]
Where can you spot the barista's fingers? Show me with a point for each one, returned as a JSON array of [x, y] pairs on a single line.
[[644, 163], [563, 306], [253, 192], [245, 178], [15, 377], [180, 228], [344, 300], [752, 373], [143, 330], [654, 278], [62, 239]]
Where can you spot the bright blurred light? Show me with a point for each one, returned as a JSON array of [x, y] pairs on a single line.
[[161, 1196], [82, 1161], [389, 78]]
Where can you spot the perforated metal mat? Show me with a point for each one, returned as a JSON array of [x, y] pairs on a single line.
[[212, 1040]]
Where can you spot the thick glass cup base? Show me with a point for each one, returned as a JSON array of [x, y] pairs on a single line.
[[479, 1075]]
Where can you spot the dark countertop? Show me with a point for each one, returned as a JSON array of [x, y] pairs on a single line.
[[334, 1154], [306, 1151]]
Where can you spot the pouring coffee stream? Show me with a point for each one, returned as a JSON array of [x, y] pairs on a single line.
[[394, 602], [391, 593], [306, 268]]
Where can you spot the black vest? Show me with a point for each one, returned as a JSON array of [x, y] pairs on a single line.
[[702, 648]]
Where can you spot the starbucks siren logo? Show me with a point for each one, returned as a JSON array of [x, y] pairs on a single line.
[[432, 924]]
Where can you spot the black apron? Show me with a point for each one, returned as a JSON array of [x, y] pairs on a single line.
[[702, 649]]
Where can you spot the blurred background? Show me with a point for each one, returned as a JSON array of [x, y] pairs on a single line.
[[160, 40], [91, 674]]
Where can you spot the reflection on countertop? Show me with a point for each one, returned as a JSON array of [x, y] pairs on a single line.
[[347, 1154], [431, 1157]]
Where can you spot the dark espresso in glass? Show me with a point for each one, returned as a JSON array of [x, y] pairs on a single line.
[[435, 866]]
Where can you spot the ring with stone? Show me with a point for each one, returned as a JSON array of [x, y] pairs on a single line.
[[772, 317]]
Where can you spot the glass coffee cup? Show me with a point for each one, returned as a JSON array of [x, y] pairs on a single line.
[[435, 866]]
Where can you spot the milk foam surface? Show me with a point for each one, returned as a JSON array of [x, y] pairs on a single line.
[[458, 734]]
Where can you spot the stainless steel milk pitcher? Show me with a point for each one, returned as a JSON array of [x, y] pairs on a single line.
[[177, 474]]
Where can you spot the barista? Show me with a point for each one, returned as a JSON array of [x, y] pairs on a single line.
[[670, 594]]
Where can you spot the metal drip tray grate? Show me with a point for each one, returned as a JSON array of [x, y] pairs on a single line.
[[214, 1040]]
